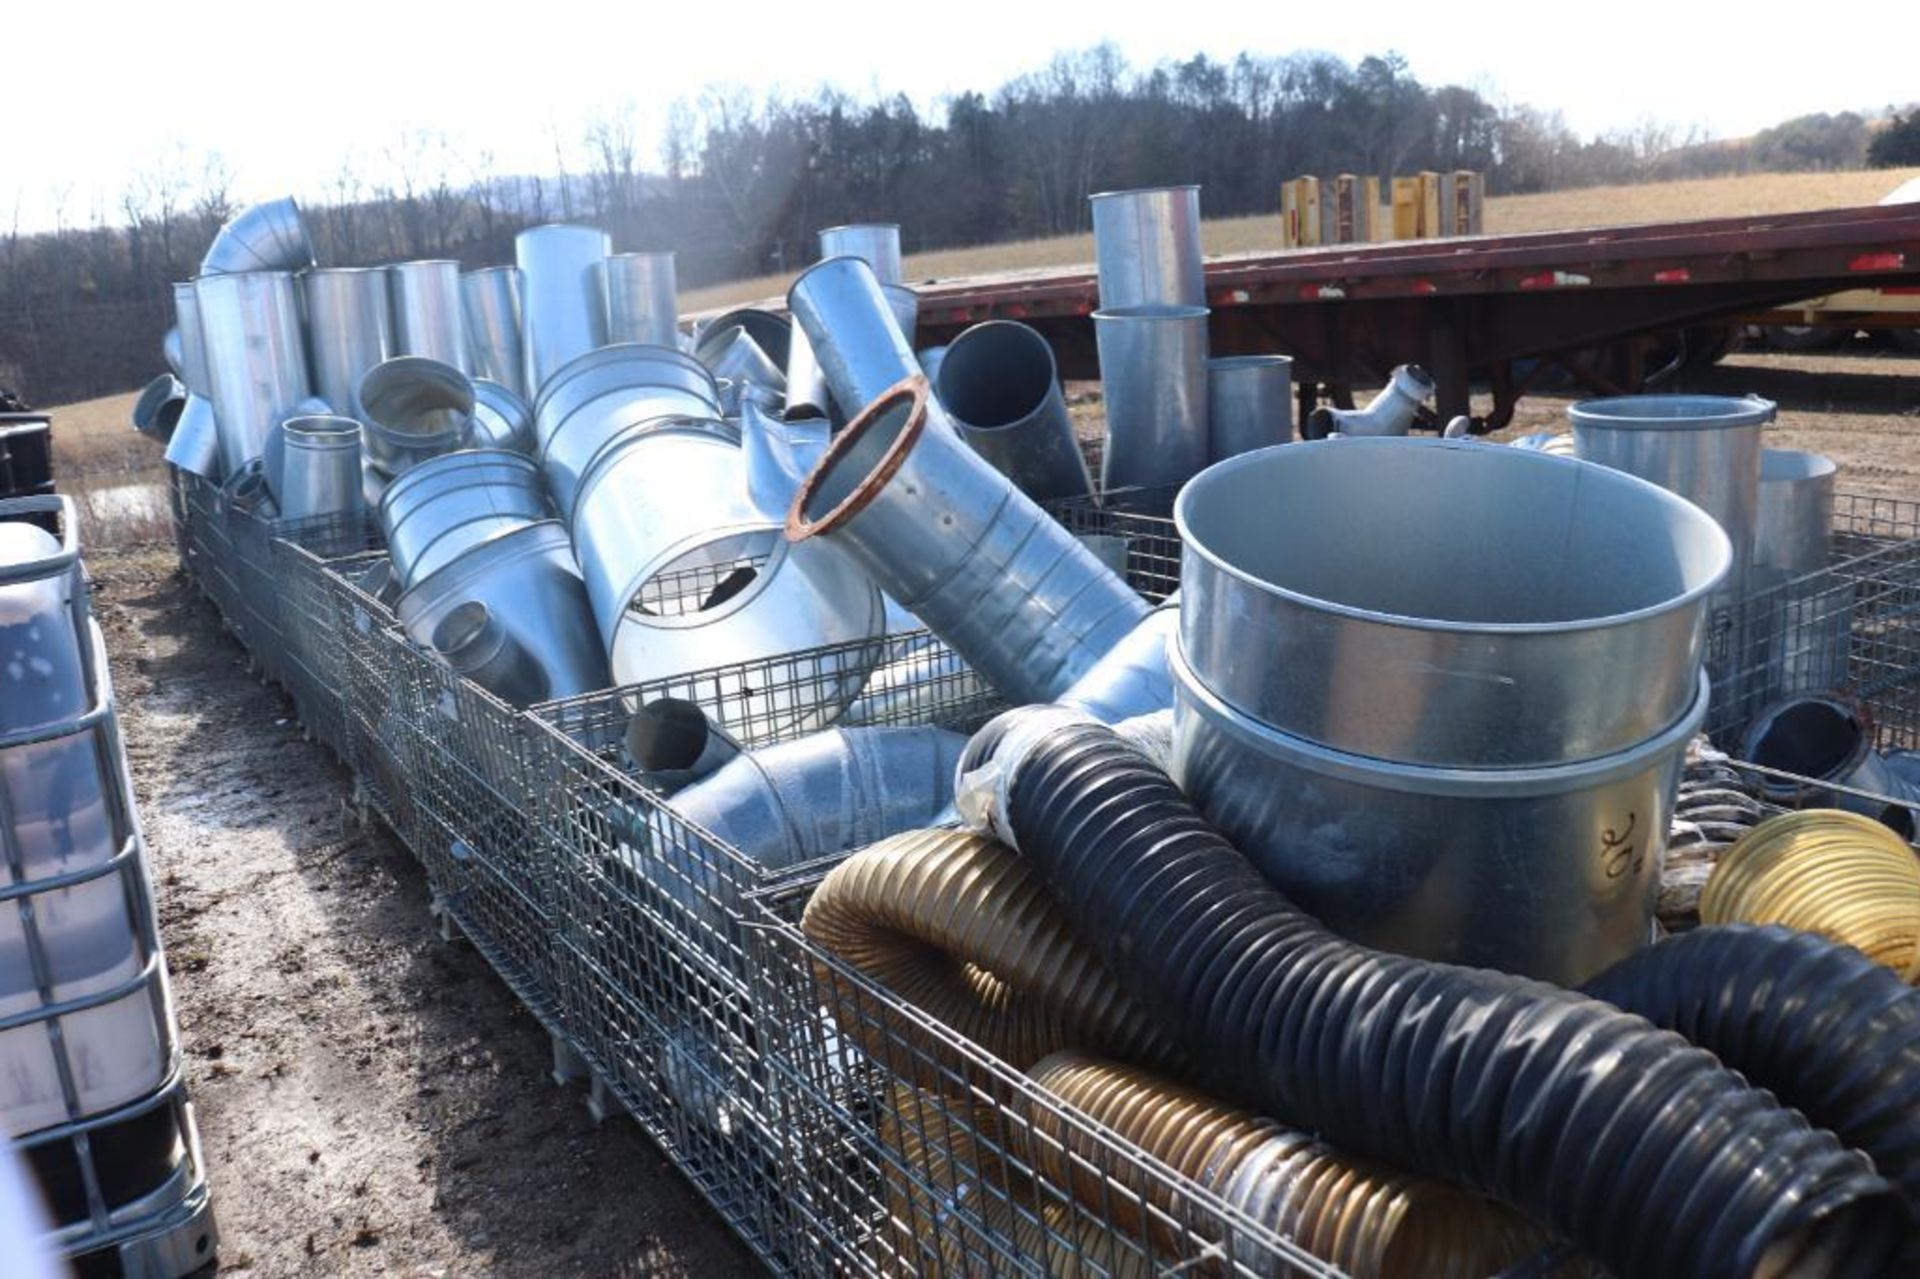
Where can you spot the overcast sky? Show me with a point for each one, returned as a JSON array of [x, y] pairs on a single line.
[[287, 93]]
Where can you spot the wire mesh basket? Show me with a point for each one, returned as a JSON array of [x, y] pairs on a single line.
[[312, 670]]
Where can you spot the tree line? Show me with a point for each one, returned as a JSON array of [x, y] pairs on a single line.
[[741, 183]]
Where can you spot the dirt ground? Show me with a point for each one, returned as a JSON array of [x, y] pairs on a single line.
[[371, 1100]]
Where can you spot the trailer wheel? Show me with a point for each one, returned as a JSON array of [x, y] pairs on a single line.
[[1803, 337]]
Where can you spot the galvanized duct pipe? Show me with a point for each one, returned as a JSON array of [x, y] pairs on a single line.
[[1829, 740], [958, 546], [930, 359], [1389, 413], [320, 467], [1249, 404], [1581, 1116], [599, 396], [673, 742], [195, 445], [1153, 378], [1370, 1220], [642, 298], [771, 333], [739, 358], [1706, 448], [959, 927], [1146, 247], [1545, 442], [1432, 722], [261, 237], [490, 304], [157, 409], [999, 384], [806, 381], [531, 590], [1133, 678], [193, 346], [853, 331], [1793, 533], [779, 454], [1820, 1026], [1825, 871], [412, 409], [563, 309], [349, 330], [736, 395], [427, 318], [273, 455], [875, 243], [172, 352], [501, 419], [256, 358], [685, 574], [439, 509]]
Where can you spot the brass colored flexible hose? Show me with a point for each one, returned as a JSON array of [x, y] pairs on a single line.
[[950, 1177], [1826, 871], [956, 925], [1372, 1221]]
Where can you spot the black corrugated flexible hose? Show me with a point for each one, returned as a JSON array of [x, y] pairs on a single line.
[[1628, 1141], [1821, 1026]]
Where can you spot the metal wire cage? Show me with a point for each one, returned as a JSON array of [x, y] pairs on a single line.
[[311, 666]]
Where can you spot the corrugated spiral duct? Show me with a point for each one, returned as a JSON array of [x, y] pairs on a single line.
[[1372, 1221], [956, 925], [1838, 874], [1630, 1143], [1821, 1026]]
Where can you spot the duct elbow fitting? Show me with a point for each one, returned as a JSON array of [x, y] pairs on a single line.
[[261, 237], [1134, 678], [1391, 412], [157, 411], [478, 646], [949, 537], [854, 332]]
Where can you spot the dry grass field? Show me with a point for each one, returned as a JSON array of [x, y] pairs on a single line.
[[1557, 211]]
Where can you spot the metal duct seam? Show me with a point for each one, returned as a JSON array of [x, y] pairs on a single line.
[[999, 384], [438, 509], [1133, 678], [953, 541], [501, 419], [596, 399], [956, 925], [1364, 1217], [1581, 1116]]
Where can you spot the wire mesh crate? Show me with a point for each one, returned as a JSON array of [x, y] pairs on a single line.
[[1150, 543], [312, 670], [210, 549], [917, 1152], [369, 643], [252, 537]]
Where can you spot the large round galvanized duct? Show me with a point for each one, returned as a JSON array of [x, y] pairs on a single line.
[[256, 357], [1391, 412], [1827, 739], [962, 929], [685, 574], [261, 237], [319, 467], [771, 333], [1436, 756], [1146, 247], [596, 398], [536, 611], [349, 330], [1153, 379], [1838, 874], [1370, 1220], [412, 409], [875, 243], [1011, 590], [853, 331], [999, 384], [447, 504], [193, 345], [427, 319], [1365, 1048], [1706, 448], [157, 409], [642, 298], [563, 310], [490, 303], [1249, 404]]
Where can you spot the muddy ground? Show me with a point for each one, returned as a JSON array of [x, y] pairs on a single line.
[[372, 1100]]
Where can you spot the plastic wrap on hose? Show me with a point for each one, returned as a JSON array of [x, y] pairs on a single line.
[[1372, 1221], [1629, 1142], [959, 927], [1821, 1026]]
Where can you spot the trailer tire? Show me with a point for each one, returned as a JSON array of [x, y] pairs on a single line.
[[1803, 337]]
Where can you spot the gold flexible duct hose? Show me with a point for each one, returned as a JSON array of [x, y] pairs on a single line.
[[951, 1177], [956, 925], [1826, 871], [1370, 1220]]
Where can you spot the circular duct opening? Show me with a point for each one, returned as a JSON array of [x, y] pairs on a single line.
[[860, 461], [995, 375], [416, 396], [1671, 412], [1451, 535], [667, 734], [467, 636], [718, 575], [1811, 738]]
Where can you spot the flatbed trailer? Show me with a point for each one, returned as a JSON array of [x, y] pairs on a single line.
[[1500, 310]]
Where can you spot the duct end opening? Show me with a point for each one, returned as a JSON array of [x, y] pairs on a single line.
[[996, 375], [667, 734], [1812, 738], [468, 636], [860, 461], [720, 574]]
